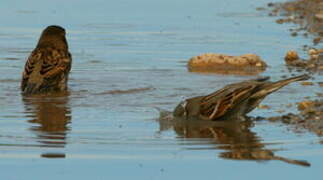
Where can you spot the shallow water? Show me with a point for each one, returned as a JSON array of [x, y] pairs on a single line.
[[129, 60]]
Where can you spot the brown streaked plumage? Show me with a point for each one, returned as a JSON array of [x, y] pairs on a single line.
[[49, 64], [232, 101]]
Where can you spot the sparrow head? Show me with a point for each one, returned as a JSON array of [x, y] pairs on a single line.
[[53, 36], [180, 110]]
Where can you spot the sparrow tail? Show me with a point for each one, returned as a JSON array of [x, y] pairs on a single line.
[[267, 89]]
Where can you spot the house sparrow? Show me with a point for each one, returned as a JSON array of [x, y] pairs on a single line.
[[233, 101], [49, 64]]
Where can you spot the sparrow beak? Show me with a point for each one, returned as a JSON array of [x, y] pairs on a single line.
[[184, 104]]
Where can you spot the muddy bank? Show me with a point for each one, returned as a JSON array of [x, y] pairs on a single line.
[[310, 117], [308, 14]]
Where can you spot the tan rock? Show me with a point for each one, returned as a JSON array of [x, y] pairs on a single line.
[[307, 83], [263, 106], [313, 53], [291, 56], [242, 61], [247, 64], [305, 105], [233, 61]]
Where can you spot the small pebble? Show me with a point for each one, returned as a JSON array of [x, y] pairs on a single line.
[[291, 56], [263, 106], [305, 105], [307, 83], [281, 111]]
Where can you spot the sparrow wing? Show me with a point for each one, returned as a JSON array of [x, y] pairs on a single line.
[[217, 104], [44, 66], [30, 65], [55, 62]]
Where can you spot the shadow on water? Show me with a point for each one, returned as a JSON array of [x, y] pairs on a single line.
[[235, 138], [49, 116]]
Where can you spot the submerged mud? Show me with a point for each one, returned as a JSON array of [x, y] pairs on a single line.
[[313, 63], [310, 117]]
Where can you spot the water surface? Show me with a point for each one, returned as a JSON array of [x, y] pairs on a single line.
[[129, 60]]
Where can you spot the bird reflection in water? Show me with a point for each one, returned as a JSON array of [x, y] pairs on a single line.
[[234, 137], [50, 116]]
